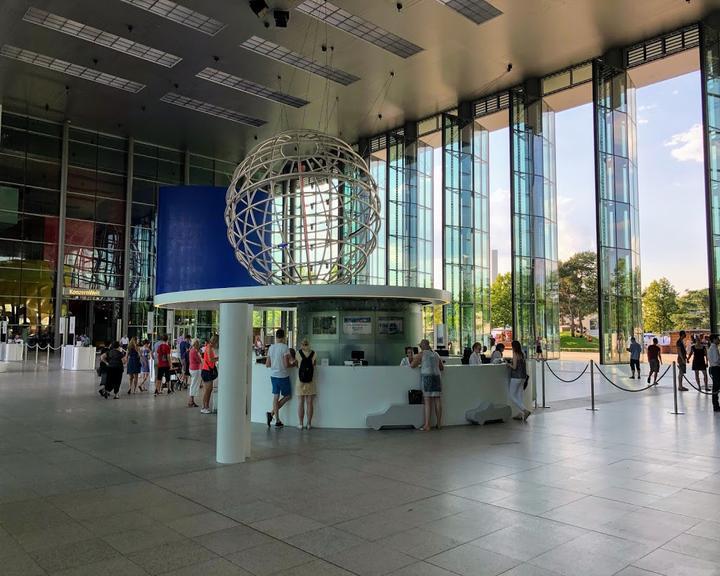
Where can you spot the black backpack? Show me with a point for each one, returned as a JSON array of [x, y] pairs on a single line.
[[306, 370]]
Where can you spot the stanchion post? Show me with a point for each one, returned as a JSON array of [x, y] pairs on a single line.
[[47, 356], [675, 387], [37, 350], [543, 385], [592, 388]]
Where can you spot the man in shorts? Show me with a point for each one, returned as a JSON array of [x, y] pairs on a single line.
[[162, 365], [635, 351], [654, 359], [279, 360], [681, 361], [184, 350]]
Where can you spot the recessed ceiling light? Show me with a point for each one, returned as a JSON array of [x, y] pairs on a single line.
[[96, 36], [249, 87], [211, 109], [478, 11], [71, 69], [342, 19], [180, 14], [287, 56]]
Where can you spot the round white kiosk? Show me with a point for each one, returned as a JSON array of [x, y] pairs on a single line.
[[295, 228]]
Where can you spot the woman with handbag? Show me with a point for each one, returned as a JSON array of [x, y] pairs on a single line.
[[518, 377], [114, 361], [195, 362], [209, 373]]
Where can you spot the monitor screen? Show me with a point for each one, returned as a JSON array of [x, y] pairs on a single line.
[[357, 355]]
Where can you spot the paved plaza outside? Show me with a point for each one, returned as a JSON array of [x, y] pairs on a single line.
[[130, 487]]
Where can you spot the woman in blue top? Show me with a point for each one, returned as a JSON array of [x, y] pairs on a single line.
[[144, 363], [133, 365]]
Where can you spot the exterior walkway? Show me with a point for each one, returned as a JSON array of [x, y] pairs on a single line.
[[91, 486]]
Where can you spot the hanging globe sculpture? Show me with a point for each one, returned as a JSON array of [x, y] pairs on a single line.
[[302, 208]]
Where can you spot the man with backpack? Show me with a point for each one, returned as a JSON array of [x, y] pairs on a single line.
[[306, 386]]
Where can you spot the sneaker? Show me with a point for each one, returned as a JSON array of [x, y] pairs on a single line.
[[101, 392], [648, 381], [116, 397], [300, 427], [205, 411], [308, 427], [682, 388], [269, 417], [279, 424]]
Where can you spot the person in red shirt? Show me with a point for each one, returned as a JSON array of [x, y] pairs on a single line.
[[654, 359], [162, 365]]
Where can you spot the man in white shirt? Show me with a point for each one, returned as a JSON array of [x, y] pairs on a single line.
[[279, 360], [714, 362]]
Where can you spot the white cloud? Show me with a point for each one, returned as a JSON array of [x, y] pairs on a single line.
[[687, 146]]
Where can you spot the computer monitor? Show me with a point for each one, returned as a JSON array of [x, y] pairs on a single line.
[[357, 355]]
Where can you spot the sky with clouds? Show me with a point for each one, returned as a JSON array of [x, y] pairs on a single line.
[[670, 176]]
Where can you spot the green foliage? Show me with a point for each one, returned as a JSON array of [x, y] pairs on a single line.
[[578, 287], [660, 303], [501, 301], [693, 310], [570, 342]]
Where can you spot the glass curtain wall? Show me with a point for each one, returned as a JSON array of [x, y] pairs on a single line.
[[619, 285], [153, 167], [409, 214], [466, 244], [30, 161], [536, 308], [710, 72], [375, 271]]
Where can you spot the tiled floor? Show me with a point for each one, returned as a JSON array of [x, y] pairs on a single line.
[[102, 487]]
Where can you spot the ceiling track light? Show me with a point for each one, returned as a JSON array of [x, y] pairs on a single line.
[[259, 8]]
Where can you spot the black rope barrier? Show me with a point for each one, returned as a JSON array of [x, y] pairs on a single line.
[[631, 389], [563, 379], [707, 393]]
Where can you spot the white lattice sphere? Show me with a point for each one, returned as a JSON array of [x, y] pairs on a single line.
[[302, 208]]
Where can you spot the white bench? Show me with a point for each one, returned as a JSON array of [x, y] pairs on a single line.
[[397, 415]]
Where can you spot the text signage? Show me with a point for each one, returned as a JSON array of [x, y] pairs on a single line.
[[357, 325], [91, 293]]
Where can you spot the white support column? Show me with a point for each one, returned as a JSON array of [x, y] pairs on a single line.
[[235, 383]]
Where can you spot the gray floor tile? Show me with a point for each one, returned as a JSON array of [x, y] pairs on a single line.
[[419, 543], [20, 564], [286, 526], [200, 524], [670, 563], [131, 541], [270, 558], [371, 559], [695, 546], [73, 554], [592, 555], [214, 567], [470, 560], [225, 542], [114, 567], [171, 556], [314, 568], [422, 569], [325, 541]]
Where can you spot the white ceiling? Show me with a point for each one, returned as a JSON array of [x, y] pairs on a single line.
[[460, 60]]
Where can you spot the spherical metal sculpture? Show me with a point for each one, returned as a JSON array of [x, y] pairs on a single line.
[[302, 208]]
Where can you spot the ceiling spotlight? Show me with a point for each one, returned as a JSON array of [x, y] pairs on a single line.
[[281, 18], [259, 8]]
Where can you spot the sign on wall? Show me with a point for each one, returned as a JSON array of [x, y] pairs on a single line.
[[324, 325], [357, 325], [390, 325]]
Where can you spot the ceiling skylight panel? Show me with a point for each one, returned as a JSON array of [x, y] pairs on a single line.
[[210, 109], [357, 26], [478, 11], [179, 14], [287, 56], [76, 70], [100, 37], [249, 87]]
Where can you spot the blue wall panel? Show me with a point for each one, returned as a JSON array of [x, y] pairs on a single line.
[[193, 252]]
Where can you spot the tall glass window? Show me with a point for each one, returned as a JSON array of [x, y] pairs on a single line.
[[375, 272], [153, 167], [466, 243], [710, 71], [409, 213], [536, 308], [617, 211], [30, 159]]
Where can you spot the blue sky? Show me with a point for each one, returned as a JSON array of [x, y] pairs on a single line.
[[670, 174]]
